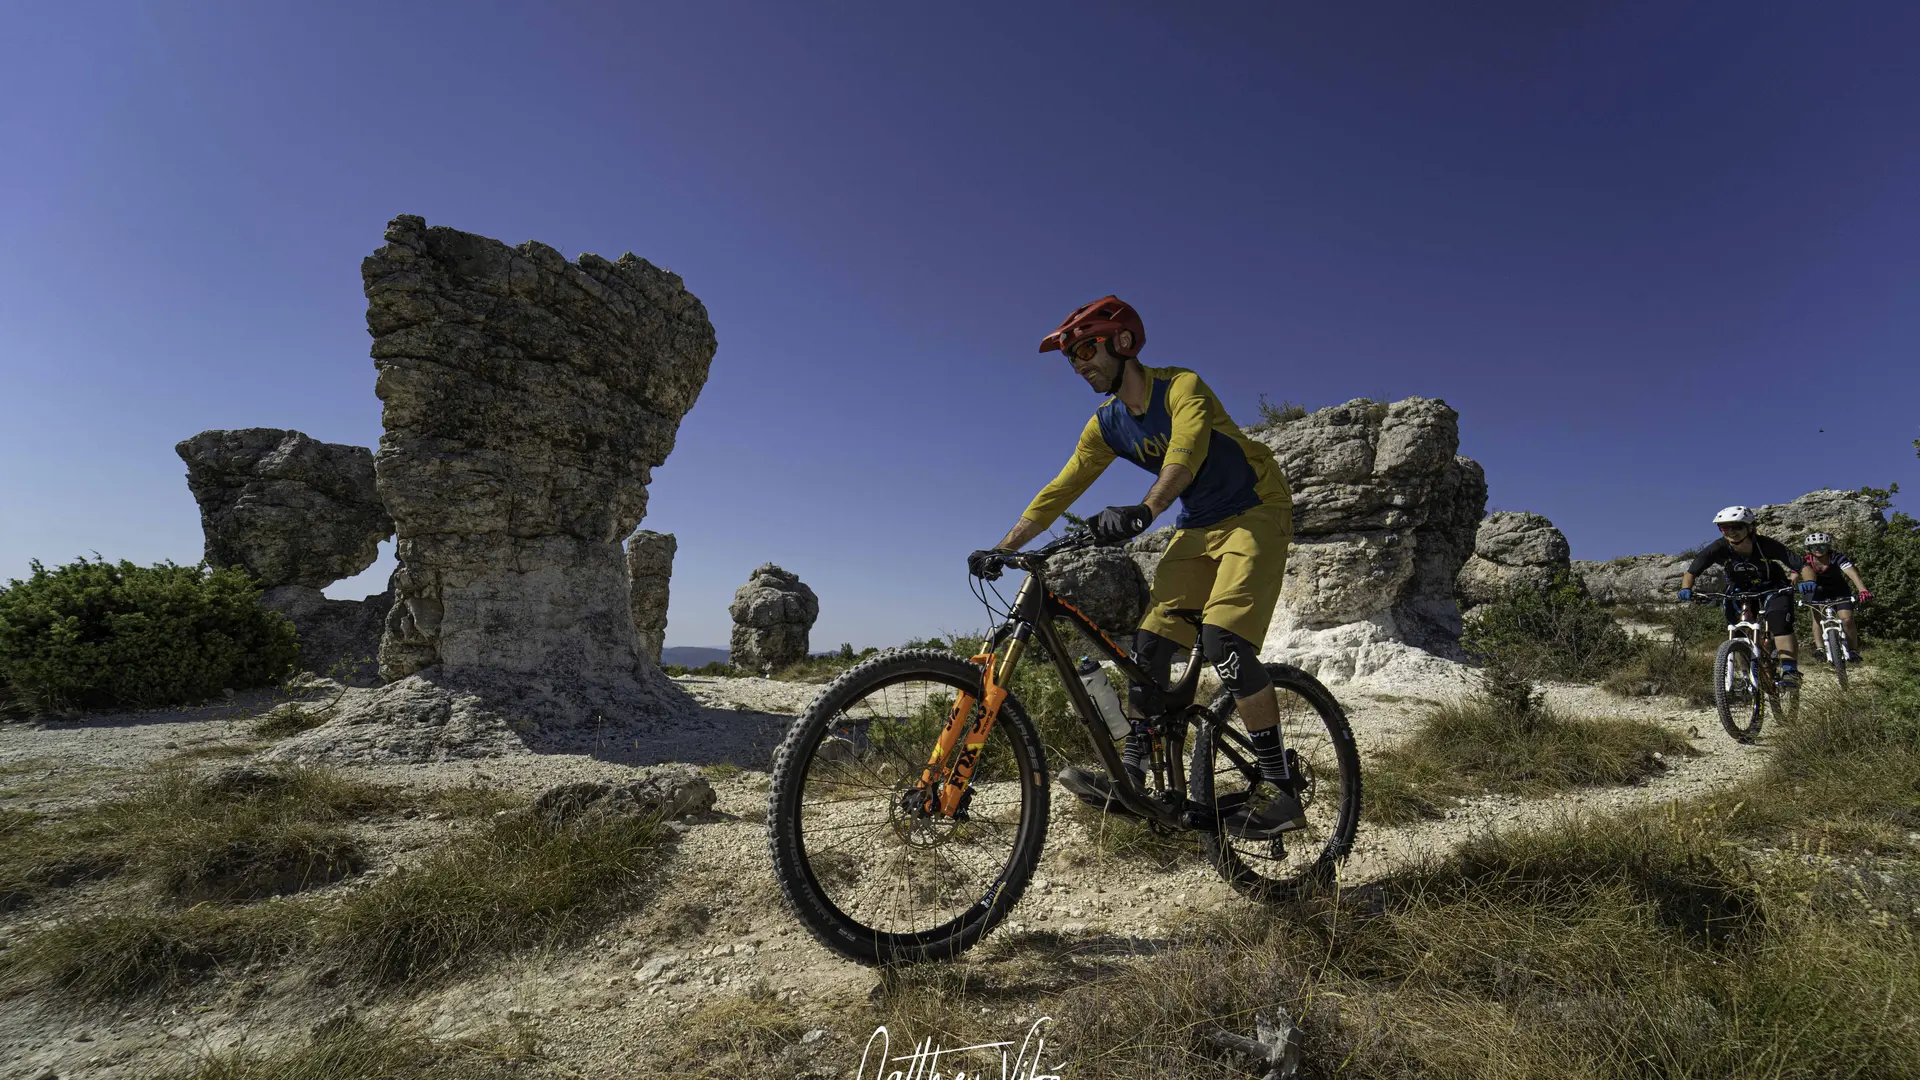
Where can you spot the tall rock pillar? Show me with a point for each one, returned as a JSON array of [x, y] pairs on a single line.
[[527, 401]]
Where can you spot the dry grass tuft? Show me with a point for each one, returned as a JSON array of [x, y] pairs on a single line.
[[356, 1051], [516, 884], [241, 834], [116, 956], [729, 1037], [1477, 746]]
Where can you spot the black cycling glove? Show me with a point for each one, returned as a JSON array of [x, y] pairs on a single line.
[[1119, 523], [985, 564]]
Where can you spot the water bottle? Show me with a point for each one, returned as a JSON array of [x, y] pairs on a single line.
[[1104, 699]]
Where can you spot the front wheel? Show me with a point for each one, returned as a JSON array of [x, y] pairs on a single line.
[[1837, 655], [1324, 764], [1736, 690], [872, 879]]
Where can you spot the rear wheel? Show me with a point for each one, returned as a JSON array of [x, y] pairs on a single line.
[[1325, 765], [873, 880], [1736, 689]]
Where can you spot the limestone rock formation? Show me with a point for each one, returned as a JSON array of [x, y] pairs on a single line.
[[649, 573], [1654, 579], [1641, 579], [1146, 549], [1384, 517], [1428, 614], [338, 638], [527, 401], [439, 716], [1511, 547], [667, 792], [1106, 585], [1827, 510], [772, 615], [290, 509]]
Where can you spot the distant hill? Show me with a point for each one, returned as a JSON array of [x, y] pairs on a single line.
[[692, 656]]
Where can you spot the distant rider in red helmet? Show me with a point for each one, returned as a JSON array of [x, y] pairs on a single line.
[[1227, 556], [1831, 573]]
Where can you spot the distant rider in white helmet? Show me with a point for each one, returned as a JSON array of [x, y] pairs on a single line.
[[1754, 563], [1830, 571]]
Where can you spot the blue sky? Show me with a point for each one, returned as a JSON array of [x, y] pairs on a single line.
[[1661, 257]]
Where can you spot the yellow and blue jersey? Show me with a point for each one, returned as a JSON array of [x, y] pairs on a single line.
[[1184, 424]]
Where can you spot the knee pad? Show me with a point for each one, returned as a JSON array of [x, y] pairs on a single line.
[[1154, 654], [1779, 615], [1235, 660]]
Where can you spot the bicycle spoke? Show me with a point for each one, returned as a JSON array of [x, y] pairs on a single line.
[[881, 867]]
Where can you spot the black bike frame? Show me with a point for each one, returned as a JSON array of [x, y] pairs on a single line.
[[1032, 615]]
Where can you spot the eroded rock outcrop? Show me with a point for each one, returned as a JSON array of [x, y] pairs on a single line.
[[1654, 579], [665, 793], [338, 638], [527, 401], [1828, 510], [1511, 547], [288, 508], [1384, 517], [1640, 579], [649, 576], [1106, 585], [773, 613]]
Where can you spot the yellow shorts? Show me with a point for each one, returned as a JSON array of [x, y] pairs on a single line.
[[1233, 569]]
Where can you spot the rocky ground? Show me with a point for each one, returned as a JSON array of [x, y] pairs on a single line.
[[718, 927]]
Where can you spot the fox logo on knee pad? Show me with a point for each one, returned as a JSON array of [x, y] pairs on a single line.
[[1228, 669]]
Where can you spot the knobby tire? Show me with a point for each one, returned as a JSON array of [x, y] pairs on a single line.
[[1222, 753], [1740, 706], [1012, 772]]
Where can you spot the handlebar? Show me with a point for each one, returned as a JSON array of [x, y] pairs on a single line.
[[1702, 597], [1074, 540], [1835, 602]]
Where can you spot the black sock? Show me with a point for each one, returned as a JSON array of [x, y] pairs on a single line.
[[1273, 757]]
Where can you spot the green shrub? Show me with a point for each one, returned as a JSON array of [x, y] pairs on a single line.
[[1665, 667], [1557, 632], [822, 669], [719, 668], [1890, 565], [100, 635]]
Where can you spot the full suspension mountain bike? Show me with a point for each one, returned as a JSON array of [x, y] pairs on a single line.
[[1832, 635], [909, 803], [1746, 676]]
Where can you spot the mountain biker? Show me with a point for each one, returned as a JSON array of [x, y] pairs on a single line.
[[1754, 563], [1227, 555], [1830, 571]]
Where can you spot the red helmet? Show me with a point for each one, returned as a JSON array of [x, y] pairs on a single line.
[[1105, 317]]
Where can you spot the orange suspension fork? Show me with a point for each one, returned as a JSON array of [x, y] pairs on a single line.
[[947, 775]]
